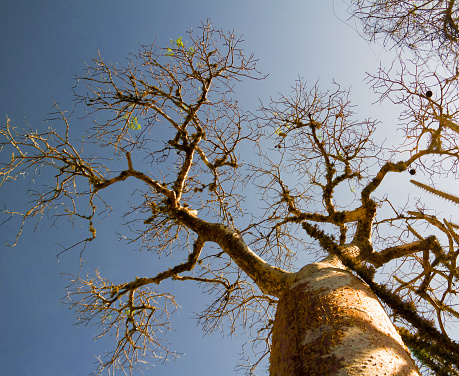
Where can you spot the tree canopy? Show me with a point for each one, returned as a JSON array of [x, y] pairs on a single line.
[[169, 119], [428, 28]]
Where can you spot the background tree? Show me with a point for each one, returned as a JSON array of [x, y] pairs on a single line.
[[428, 28], [169, 122]]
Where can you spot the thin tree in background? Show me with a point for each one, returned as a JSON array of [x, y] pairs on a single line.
[[167, 119]]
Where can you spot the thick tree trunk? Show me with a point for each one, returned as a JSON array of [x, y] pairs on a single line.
[[329, 322]]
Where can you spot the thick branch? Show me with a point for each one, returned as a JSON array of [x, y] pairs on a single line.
[[378, 259], [271, 280], [337, 217], [141, 176]]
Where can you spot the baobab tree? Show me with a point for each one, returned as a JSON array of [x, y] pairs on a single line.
[[168, 120]]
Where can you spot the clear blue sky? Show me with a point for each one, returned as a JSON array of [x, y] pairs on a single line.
[[43, 44]]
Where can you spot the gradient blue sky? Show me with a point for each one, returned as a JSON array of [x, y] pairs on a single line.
[[43, 44]]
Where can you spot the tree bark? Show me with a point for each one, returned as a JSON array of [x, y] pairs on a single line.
[[329, 322]]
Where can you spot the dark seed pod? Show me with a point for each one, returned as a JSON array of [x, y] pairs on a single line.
[[412, 171], [428, 94]]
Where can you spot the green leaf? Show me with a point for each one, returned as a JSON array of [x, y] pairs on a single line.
[[169, 52], [179, 42], [133, 124], [280, 133]]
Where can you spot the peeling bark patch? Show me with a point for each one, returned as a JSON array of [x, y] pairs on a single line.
[[321, 276], [330, 323], [291, 355]]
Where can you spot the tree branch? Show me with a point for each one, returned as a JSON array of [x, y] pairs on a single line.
[[380, 258]]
